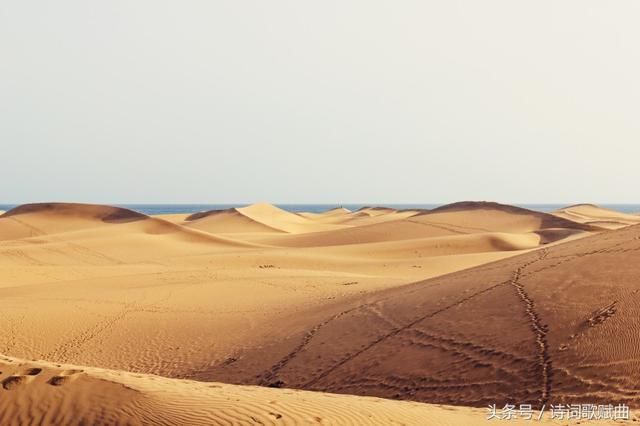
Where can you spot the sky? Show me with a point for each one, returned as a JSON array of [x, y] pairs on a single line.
[[238, 101]]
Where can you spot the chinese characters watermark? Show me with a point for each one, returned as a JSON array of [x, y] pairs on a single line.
[[559, 412]]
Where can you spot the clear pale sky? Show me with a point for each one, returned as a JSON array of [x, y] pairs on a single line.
[[319, 101]]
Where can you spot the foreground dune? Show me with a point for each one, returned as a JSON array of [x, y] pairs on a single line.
[[44, 393]]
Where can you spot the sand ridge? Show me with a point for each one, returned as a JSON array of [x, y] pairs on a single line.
[[40, 392]]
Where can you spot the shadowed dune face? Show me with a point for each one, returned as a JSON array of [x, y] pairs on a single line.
[[50, 218], [71, 210], [555, 325], [489, 215]]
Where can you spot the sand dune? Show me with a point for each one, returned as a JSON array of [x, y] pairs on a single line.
[[277, 218], [375, 211], [32, 220], [227, 221], [487, 216], [365, 216], [481, 242], [456, 219], [64, 234], [39, 392], [360, 219], [327, 216], [373, 233], [174, 217], [324, 302], [554, 325], [599, 216], [46, 393]]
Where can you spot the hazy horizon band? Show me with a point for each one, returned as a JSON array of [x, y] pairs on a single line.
[[176, 208]]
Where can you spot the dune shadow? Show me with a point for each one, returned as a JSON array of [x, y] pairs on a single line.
[[124, 216]]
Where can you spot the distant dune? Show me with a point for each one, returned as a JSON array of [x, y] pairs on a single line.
[[455, 219], [595, 215], [46, 234], [31, 220], [490, 216], [468, 304], [256, 218], [227, 221]]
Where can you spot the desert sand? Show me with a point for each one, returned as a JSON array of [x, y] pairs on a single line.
[[599, 216], [40, 392], [465, 305]]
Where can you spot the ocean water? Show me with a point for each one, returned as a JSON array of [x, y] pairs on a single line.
[[152, 209]]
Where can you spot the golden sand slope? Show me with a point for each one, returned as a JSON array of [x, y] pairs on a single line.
[[53, 394], [555, 325], [595, 215]]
